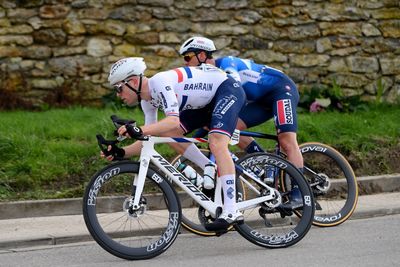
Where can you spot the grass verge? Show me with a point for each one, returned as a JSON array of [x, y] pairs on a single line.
[[52, 154]]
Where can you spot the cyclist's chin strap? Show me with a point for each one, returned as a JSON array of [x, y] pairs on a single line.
[[200, 62], [208, 56], [139, 90]]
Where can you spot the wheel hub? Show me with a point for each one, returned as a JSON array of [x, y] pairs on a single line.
[[132, 212], [275, 202], [325, 184]]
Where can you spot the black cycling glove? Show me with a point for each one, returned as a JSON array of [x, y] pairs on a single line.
[[134, 131], [117, 152]]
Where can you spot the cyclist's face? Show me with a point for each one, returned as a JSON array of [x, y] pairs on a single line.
[[129, 97], [190, 59]]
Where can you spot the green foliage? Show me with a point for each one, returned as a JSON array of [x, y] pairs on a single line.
[[332, 95], [53, 153], [110, 100]]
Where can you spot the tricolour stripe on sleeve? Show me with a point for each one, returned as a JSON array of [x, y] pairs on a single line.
[[180, 75], [188, 72]]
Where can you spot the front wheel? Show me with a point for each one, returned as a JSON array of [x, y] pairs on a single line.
[[332, 181], [122, 230]]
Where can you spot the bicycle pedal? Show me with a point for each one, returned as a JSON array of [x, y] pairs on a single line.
[[285, 212]]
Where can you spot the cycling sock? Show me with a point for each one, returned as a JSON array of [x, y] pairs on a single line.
[[193, 154], [229, 190], [253, 147]]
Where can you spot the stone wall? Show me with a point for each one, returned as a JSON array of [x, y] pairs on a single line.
[[63, 49]]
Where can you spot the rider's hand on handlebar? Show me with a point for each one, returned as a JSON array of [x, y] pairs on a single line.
[[113, 153], [131, 131]]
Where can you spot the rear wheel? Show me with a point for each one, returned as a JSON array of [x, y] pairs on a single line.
[[332, 181], [274, 224]]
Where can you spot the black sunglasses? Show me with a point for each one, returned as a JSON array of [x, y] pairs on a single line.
[[189, 56], [118, 87]]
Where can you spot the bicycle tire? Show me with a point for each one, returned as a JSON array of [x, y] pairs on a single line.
[[339, 202], [281, 227], [118, 229], [194, 216]]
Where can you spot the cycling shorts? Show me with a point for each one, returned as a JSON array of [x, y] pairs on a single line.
[[221, 114], [279, 104]]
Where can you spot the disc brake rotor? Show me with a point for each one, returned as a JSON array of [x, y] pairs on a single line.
[[325, 185], [127, 206]]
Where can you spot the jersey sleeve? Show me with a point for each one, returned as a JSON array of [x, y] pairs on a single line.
[[227, 64], [165, 94], [150, 112], [233, 73]]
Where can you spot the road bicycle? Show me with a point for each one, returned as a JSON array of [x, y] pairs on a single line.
[[329, 174], [132, 210]]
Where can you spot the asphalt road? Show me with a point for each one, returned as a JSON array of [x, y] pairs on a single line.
[[362, 242]]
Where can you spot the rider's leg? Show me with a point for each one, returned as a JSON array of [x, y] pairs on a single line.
[[189, 151], [285, 117], [288, 143], [226, 168], [229, 100]]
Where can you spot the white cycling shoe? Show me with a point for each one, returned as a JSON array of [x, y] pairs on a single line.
[[225, 220]]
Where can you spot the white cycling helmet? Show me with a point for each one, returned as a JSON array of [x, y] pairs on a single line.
[[126, 67], [194, 44]]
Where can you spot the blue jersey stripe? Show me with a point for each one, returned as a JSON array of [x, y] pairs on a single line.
[[188, 72], [183, 103], [181, 140]]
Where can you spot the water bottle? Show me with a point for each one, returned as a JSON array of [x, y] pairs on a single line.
[[209, 175], [191, 174], [270, 174]]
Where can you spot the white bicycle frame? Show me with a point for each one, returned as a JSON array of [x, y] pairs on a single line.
[[150, 155]]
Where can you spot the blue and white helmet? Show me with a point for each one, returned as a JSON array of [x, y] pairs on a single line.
[[126, 67], [194, 44]]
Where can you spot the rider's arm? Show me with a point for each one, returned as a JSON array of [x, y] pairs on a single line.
[[150, 112], [133, 149], [233, 73], [230, 66], [165, 96], [162, 127], [168, 125]]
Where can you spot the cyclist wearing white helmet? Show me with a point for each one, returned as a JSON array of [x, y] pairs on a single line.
[[270, 94], [191, 98], [199, 47]]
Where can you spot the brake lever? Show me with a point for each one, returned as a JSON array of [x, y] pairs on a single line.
[[118, 122], [121, 138], [101, 141]]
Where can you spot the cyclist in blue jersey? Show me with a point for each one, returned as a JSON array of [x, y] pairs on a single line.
[[270, 94]]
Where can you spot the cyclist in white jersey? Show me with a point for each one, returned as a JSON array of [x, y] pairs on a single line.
[[191, 97]]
